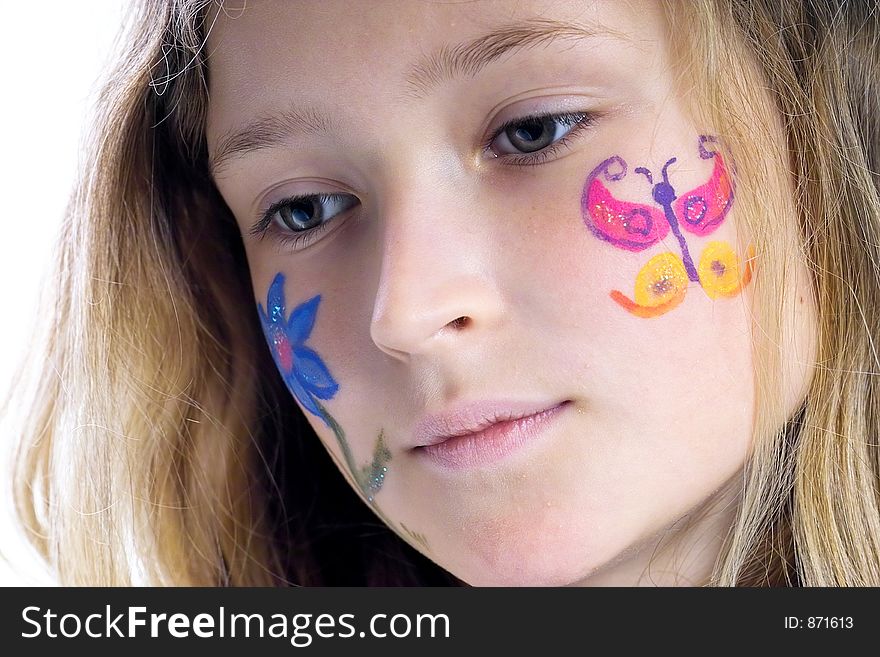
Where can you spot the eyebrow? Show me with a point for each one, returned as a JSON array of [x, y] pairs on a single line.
[[462, 60], [267, 132], [470, 57]]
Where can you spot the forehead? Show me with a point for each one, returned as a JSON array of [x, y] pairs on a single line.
[[331, 53]]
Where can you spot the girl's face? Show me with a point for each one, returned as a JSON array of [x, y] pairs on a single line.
[[461, 214]]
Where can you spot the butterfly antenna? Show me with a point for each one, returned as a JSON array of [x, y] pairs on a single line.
[[646, 173], [665, 166], [704, 152]]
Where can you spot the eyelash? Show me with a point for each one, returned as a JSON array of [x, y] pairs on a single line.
[[266, 223], [578, 121]]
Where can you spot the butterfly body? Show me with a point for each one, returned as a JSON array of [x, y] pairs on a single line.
[[663, 194]]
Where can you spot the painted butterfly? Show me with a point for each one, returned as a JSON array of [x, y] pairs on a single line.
[[662, 282]]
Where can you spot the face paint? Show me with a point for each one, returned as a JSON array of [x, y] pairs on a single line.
[[662, 282], [416, 536], [369, 478], [309, 380], [302, 368]]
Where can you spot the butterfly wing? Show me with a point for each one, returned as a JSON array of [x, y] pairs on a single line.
[[701, 210], [630, 226]]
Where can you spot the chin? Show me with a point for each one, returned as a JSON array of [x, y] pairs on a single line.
[[523, 578], [525, 570], [558, 555]]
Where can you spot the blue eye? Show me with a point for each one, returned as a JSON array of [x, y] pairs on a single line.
[[302, 213], [301, 218], [535, 138]]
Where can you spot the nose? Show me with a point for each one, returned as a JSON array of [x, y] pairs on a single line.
[[437, 283]]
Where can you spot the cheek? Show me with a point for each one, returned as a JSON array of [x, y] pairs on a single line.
[[671, 396], [681, 401], [668, 395], [682, 375]]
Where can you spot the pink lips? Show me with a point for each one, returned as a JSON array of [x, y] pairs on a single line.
[[481, 433]]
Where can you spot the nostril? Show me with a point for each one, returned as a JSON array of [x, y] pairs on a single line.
[[459, 323]]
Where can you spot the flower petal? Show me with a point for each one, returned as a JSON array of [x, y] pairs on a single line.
[[302, 395], [275, 299], [281, 349], [313, 374], [302, 320], [264, 318]]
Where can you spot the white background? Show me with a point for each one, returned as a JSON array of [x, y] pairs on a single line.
[[53, 53]]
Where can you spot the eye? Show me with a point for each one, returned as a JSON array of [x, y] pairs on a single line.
[[301, 213], [542, 134], [302, 218]]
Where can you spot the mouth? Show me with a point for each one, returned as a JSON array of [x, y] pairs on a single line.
[[483, 434]]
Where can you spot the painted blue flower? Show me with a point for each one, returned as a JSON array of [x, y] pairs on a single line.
[[303, 371]]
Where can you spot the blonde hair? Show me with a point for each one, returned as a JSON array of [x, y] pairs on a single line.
[[157, 452]]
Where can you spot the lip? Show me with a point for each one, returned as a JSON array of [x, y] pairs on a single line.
[[484, 432]]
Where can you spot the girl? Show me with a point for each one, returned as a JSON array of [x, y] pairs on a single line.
[[490, 293]]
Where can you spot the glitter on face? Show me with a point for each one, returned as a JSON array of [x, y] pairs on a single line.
[[661, 287], [372, 477]]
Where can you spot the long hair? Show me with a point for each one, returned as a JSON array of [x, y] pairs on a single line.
[[155, 450], [794, 87]]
